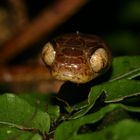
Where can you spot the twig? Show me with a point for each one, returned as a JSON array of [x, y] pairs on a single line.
[[22, 73], [29, 78], [47, 21]]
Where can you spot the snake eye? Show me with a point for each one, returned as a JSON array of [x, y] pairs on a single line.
[[99, 60], [48, 54]]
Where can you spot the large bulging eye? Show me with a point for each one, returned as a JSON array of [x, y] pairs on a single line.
[[48, 54], [99, 60]]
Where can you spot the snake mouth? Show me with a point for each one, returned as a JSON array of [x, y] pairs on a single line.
[[72, 77]]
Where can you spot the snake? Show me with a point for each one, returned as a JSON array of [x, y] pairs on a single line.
[[77, 57]]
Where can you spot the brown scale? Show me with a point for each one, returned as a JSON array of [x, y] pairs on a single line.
[[73, 53]]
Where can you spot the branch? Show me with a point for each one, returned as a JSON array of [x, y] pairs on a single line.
[[29, 78], [22, 73], [46, 22]]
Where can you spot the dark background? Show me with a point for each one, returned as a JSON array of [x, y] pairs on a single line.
[[116, 21]]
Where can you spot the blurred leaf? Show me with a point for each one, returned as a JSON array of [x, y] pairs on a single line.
[[7, 133], [17, 113], [53, 111], [125, 67], [71, 127], [124, 130], [131, 12], [124, 43]]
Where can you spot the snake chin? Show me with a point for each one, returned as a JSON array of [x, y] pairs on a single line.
[[74, 78]]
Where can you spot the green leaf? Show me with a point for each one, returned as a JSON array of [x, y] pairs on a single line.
[[86, 106], [17, 113], [7, 133], [53, 111], [71, 127], [124, 130], [125, 67], [36, 99], [117, 90], [43, 102]]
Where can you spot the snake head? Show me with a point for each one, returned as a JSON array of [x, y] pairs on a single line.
[[78, 58]]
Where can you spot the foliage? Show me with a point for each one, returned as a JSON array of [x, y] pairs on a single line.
[[111, 110]]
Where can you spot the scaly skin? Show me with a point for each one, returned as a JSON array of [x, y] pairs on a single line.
[[77, 57]]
